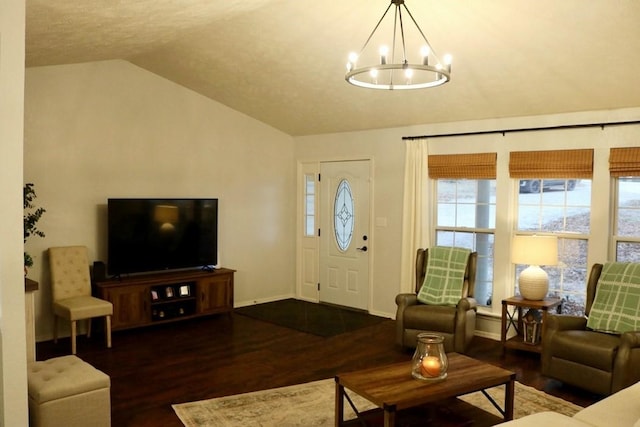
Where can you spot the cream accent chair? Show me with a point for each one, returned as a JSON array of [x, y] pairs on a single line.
[[71, 286]]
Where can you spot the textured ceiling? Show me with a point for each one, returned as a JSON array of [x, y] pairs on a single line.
[[283, 61]]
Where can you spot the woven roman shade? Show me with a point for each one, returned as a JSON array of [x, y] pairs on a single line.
[[462, 166], [624, 161], [551, 164]]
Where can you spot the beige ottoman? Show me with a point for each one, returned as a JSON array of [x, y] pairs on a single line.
[[65, 391]]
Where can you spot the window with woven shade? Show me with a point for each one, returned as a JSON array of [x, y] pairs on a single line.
[[624, 166], [551, 164], [463, 166], [554, 198], [465, 210]]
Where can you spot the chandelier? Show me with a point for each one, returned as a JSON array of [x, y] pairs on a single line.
[[390, 67]]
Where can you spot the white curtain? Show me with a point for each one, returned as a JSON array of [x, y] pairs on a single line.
[[415, 210]]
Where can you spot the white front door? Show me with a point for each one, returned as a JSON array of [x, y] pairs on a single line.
[[345, 242]]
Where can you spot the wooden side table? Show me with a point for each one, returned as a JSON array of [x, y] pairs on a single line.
[[509, 319]]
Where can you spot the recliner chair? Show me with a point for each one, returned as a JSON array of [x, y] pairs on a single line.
[[456, 323], [600, 362]]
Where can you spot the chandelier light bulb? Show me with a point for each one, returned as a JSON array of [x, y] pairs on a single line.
[[438, 75], [384, 51], [374, 76], [447, 61], [353, 57], [408, 73], [424, 52]]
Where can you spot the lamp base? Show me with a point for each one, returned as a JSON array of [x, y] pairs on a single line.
[[533, 283]]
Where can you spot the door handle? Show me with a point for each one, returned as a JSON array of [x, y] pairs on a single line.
[[362, 249]]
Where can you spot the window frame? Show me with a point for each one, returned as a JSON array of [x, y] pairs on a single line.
[[483, 257], [566, 238]]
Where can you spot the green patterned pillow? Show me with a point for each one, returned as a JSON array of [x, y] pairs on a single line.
[[616, 306], [444, 278]]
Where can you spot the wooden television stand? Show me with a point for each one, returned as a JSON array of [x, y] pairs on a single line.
[[153, 298]]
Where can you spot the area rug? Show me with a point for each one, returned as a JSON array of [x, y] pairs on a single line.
[[318, 319], [312, 404]]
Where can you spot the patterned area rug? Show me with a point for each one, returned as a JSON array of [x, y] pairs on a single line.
[[312, 404]]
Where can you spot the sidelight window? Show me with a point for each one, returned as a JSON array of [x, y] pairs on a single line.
[[309, 205]]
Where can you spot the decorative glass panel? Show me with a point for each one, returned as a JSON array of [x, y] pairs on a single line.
[[343, 219], [310, 205]]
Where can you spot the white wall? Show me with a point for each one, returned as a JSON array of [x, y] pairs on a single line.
[[110, 129], [13, 358], [387, 150]]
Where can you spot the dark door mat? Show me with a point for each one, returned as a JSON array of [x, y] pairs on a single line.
[[317, 319]]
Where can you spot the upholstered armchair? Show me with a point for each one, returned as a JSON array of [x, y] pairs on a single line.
[[456, 323], [601, 362], [71, 291]]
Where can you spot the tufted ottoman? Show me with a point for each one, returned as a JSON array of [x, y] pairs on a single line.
[[65, 391]]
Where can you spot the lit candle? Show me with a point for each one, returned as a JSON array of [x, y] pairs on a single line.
[[430, 367]]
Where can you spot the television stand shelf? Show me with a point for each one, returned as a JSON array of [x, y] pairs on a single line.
[[154, 298]]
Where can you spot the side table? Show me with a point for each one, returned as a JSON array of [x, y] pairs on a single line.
[[509, 319]]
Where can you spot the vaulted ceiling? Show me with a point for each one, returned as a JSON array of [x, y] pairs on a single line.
[[283, 61]]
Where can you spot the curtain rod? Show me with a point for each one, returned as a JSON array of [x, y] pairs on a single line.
[[506, 131]]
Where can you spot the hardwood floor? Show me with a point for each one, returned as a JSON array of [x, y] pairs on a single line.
[[154, 367]]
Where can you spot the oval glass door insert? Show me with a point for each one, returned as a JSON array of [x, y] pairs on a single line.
[[343, 218]]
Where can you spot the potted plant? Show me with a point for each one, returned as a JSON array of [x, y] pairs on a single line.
[[31, 217]]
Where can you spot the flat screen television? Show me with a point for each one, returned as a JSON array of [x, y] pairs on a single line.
[[149, 235]]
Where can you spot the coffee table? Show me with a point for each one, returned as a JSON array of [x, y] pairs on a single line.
[[392, 388]]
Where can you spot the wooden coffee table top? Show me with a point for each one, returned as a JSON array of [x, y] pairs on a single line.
[[393, 385]]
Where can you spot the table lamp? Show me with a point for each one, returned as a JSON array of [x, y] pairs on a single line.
[[534, 251]]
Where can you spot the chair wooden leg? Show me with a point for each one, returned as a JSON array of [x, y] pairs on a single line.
[[73, 336], [55, 329], [89, 327], [107, 326]]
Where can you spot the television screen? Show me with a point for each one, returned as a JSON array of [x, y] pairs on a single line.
[[146, 235]]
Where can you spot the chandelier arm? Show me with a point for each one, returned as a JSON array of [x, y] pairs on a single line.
[[435, 55], [393, 40], [375, 29], [404, 47]]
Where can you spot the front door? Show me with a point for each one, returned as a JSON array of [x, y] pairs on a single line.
[[345, 242]]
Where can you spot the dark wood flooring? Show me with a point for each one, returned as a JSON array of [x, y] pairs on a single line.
[[151, 368]]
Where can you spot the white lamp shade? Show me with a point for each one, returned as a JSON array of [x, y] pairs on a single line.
[[535, 251]]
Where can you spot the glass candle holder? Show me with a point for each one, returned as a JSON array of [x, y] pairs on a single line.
[[429, 361]]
